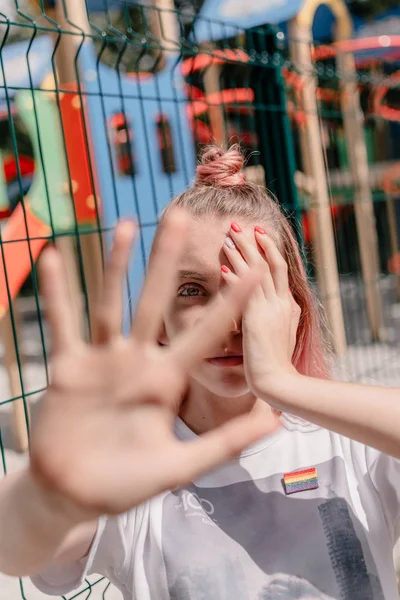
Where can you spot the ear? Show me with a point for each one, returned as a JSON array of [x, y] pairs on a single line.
[[162, 336]]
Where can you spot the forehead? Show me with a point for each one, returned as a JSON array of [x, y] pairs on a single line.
[[205, 238]]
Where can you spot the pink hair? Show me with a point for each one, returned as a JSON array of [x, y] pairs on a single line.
[[220, 168], [221, 189]]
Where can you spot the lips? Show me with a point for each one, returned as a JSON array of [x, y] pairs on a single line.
[[226, 361]]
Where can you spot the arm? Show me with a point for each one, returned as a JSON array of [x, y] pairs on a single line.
[[38, 528], [103, 442], [368, 414]]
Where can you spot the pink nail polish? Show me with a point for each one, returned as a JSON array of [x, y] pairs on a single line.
[[236, 227], [225, 269], [259, 229]]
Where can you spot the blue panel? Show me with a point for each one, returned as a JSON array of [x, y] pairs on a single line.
[[221, 19], [104, 5], [145, 194], [324, 21]]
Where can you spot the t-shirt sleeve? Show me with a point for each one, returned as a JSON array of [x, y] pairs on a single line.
[[384, 472], [107, 555]]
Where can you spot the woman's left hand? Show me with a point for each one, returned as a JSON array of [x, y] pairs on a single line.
[[270, 321]]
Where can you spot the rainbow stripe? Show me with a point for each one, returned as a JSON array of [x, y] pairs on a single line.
[[300, 481]]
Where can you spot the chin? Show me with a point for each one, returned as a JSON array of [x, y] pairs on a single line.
[[223, 382]]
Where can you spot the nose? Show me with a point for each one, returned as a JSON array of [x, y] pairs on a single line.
[[234, 330]]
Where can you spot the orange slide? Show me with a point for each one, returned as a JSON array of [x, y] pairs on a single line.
[[21, 243], [62, 191]]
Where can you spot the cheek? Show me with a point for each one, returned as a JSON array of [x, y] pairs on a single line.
[[182, 318]]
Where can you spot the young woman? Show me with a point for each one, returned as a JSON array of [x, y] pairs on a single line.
[[307, 511]]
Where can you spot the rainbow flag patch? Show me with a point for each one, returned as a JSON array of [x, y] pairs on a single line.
[[300, 481]]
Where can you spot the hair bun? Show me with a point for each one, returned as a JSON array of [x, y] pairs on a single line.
[[221, 168]]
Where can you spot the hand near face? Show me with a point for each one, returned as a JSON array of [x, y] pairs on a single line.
[[104, 436], [271, 318]]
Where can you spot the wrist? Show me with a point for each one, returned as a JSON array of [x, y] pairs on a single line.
[[60, 510], [279, 387]]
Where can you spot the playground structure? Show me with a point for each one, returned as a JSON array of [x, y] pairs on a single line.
[[63, 202], [304, 110], [110, 145]]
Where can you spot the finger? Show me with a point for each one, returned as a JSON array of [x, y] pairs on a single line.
[[108, 315], [277, 264], [228, 275], [64, 328], [231, 278], [246, 247], [237, 261], [252, 256], [196, 343], [219, 445], [160, 282]]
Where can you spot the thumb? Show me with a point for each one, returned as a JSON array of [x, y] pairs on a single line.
[[218, 446]]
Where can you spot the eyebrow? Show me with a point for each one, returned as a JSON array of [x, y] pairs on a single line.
[[193, 275]]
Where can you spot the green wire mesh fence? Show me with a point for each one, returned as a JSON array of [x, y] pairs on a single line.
[[104, 107]]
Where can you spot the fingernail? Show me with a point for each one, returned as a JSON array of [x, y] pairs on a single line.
[[236, 227], [259, 229], [225, 269], [230, 243]]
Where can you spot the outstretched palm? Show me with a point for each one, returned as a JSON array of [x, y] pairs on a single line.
[[104, 436]]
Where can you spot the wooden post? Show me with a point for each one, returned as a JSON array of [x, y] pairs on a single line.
[[169, 35], [363, 201], [66, 247], [352, 119], [10, 342], [391, 189], [90, 243], [394, 241], [212, 85], [320, 212], [166, 26]]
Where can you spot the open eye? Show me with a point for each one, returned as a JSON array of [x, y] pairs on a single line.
[[191, 290]]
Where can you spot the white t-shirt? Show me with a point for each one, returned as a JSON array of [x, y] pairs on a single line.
[[236, 534]]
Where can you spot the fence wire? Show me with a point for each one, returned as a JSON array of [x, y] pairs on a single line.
[[103, 112]]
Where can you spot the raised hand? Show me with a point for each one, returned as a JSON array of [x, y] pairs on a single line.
[[270, 321], [104, 436]]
